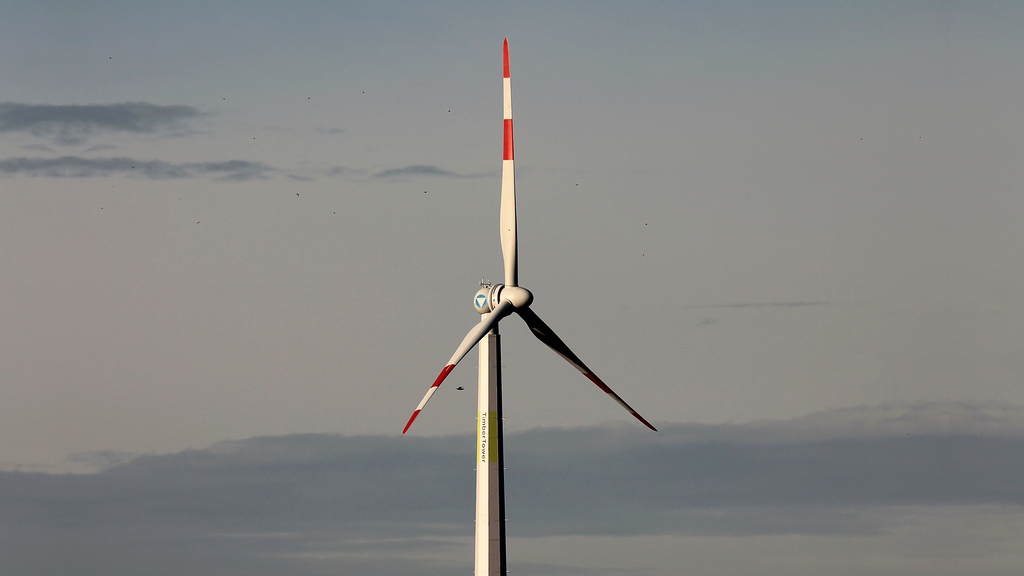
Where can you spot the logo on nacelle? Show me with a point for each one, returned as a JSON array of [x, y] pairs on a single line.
[[480, 301]]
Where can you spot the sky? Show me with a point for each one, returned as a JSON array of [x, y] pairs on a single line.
[[239, 240]]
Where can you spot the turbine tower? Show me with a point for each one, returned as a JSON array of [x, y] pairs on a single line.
[[494, 303]]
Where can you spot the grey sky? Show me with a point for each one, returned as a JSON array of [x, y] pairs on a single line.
[[240, 220]]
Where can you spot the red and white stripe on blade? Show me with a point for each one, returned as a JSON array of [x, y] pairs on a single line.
[[487, 323], [548, 336], [507, 218]]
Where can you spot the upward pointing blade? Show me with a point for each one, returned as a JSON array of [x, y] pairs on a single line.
[[487, 323], [547, 336], [507, 219]]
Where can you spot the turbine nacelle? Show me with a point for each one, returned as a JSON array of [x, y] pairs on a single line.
[[488, 297]]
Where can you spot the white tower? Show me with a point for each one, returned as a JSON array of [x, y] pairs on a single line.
[[490, 462]]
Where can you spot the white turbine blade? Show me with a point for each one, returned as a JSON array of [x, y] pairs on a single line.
[[507, 220], [547, 336], [488, 322]]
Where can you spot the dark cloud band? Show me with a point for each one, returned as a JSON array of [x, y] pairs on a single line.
[[78, 167], [70, 124], [350, 496], [423, 170]]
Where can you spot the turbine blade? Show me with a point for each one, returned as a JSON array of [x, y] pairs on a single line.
[[507, 218], [547, 336], [487, 323]]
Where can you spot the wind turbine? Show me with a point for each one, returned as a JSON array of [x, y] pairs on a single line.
[[494, 303]]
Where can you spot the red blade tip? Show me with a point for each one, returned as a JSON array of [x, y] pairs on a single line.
[[646, 423], [505, 58], [409, 423]]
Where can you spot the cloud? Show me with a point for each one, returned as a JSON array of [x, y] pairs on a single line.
[[343, 171], [422, 170], [99, 147], [297, 504], [40, 147], [535, 569], [78, 167], [795, 304], [311, 173], [100, 460], [73, 123], [809, 475]]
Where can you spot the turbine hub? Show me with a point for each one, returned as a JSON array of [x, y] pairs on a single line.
[[519, 297], [488, 297]]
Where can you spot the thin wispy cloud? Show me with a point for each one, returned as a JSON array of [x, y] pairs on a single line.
[[794, 304], [73, 123], [99, 147], [79, 167], [344, 171], [40, 147], [424, 170], [535, 569]]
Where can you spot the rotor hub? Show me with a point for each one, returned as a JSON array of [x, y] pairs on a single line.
[[488, 297]]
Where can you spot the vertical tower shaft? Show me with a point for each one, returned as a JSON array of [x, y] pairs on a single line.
[[490, 474]]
